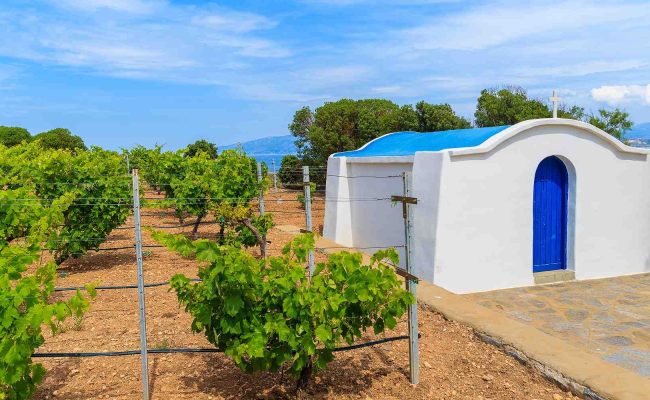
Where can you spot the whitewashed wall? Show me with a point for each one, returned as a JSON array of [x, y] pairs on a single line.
[[353, 219], [473, 223], [484, 223]]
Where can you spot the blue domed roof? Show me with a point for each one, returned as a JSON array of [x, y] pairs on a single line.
[[408, 143]]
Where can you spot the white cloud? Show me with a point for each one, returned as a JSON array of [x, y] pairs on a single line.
[[499, 23], [391, 3], [169, 42], [620, 94], [391, 89], [234, 22], [130, 6], [332, 76], [581, 69]]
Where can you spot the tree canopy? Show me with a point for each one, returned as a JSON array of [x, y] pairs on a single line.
[[348, 124], [616, 122], [438, 117], [59, 139], [202, 146], [13, 135], [289, 172], [510, 105], [507, 106]]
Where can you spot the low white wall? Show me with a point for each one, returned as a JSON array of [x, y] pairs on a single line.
[[483, 226], [427, 175], [353, 215]]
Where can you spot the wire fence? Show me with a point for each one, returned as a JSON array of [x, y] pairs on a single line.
[[306, 196]]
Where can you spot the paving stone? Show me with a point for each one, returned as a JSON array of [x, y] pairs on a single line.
[[635, 324], [537, 303], [576, 315], [634, 359], [543, 311], [618, 340], [609, 317], [520, 316]]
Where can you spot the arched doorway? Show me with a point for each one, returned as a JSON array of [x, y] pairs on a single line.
[[550, 215]]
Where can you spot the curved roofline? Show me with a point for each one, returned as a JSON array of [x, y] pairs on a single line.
[[521, 127], [368, 143]]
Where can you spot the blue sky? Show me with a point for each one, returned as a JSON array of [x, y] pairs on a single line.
[[120, 72]]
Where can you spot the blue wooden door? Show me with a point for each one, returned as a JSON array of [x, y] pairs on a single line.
[[550, 215]]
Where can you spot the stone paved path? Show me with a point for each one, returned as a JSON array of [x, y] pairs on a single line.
[[609, 317]]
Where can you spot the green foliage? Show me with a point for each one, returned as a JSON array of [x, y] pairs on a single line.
[[348, 124], [150, 163], [195, 187], [95, 178], [616, 122], [268, 313], [507, 106], [237, 187], [60, 138], [25, 304], [438, 117], [247, 237], [202, 146], [301, 197], [289, 173], [237, 177], [13, 135]]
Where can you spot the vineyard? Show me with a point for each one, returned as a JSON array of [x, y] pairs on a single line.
[[234, 306]]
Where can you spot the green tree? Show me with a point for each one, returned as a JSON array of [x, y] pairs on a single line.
[[507, 106], [510, 105], [13, 135], [302, 122], [438, 117], [408, 119], [616, 122], [202, 146], [289, 173], [60, 138], [348, 124], [267, 313]]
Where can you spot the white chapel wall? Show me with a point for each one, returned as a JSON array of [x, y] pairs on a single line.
[[484, 217]]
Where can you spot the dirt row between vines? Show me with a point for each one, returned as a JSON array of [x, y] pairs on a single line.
[[455, 364]]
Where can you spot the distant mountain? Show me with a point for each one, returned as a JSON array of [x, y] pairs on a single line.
[[272, 145], [640, 131], [268, 150]]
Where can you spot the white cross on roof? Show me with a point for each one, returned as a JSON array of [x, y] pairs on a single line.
[[555, 99]]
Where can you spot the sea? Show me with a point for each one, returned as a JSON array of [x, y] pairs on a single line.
[[269, 158]]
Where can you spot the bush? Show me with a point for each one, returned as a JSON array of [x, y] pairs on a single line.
[[290, 170], [60, 138], [13, 135], [25, 303], [97, 180], [267, 313]]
